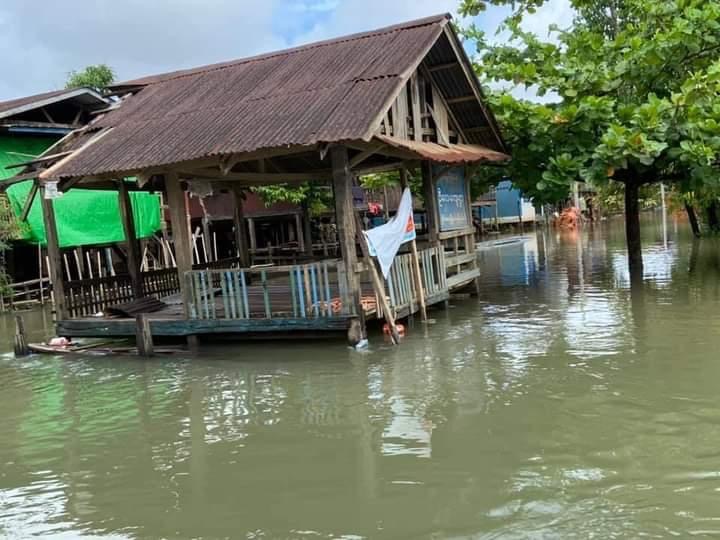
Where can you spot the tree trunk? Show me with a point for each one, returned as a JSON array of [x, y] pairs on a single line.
[[693, 220], [713, 218], [632, 231]]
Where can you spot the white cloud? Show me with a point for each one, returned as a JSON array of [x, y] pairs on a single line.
[[135, 37], [358, 15]]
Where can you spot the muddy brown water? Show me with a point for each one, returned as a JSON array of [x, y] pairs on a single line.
[[558, 405]]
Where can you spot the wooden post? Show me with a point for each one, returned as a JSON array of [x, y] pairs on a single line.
[[21, 348], [307, 231], [207, 239], [180, 234], [431, 211], [417, 275], [54, 258], [131, 242], [241, 238], [143, 335], [342, 186]]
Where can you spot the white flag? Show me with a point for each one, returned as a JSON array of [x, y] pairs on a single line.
[[384, 241]]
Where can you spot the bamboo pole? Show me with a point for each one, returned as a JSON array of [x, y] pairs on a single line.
[[40, 275], [417, 276], [377, 282]]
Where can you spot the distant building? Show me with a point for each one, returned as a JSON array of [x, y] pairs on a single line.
[[504, 204]]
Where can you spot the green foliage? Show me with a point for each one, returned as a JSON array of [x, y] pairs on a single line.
[[98, 77], [317, 198], [636, 84]]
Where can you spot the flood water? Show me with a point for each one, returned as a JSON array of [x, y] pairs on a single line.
[[557, 405]]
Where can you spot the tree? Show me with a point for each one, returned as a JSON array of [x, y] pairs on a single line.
[[97, 77], [636, 84]]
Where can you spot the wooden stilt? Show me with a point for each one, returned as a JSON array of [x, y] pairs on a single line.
[[181, 238], [54, 259], [40, 275], [20, 346], [143, 335], [346, 228], [241, 238], [417, 274], [131, 243]]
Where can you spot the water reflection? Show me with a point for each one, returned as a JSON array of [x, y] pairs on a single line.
[[558, 404]]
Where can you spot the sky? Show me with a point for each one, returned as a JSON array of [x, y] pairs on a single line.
[[141, 37]]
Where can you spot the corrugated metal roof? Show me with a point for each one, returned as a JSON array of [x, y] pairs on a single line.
[[323, 92], [19, 105], [451, 154]]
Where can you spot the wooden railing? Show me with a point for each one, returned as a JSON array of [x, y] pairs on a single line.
[[87, 297], [297, 291], [400, 288]]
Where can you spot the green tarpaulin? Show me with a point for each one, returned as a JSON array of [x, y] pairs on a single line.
[[84, 217]]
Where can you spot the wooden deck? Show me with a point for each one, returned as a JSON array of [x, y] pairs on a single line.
[[279, 300]]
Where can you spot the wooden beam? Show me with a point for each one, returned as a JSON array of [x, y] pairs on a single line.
[[461, 99], [29, 201], [54, 258], [344, 215], [132, 246], [47, 115], [257, 179], [442, 67], [180, 234], [362, 156]]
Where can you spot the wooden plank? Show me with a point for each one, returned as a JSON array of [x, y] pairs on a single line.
[[416, 110], [460, 259], [190, 327], [400, 124], [461, 279], [448, 235], [440, 117]]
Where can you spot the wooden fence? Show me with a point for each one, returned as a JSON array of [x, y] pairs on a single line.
[[86, 297], [298, 291], [401, 288]]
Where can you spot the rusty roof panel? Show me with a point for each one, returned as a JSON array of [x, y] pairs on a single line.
[[451, 154]]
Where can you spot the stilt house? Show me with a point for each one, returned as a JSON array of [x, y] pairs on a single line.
[[403, 97]]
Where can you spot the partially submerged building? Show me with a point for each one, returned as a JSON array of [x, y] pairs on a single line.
[[402, 98], [29, 127]]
